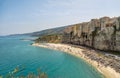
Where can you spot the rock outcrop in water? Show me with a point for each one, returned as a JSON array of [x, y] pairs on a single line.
[[102, 34]]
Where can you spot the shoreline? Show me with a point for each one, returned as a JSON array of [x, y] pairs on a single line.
[[84, 54]]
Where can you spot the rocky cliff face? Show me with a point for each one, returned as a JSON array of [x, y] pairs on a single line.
[[103, 34]]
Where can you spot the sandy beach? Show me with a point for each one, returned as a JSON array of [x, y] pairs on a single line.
[[90, 56]]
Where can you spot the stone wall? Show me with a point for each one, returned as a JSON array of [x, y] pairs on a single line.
[[103, 34]]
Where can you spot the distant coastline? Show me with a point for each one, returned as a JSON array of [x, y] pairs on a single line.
[[98, 60]]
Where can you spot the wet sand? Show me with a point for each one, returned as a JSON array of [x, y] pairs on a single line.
[[90, 56]]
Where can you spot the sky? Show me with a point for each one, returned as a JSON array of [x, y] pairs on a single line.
[[23, 16]]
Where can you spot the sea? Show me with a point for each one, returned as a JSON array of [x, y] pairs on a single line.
[[15, 52]]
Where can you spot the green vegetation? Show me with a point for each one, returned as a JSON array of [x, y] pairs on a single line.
[[29, 75], [58, 30], [94, 33], [54, 38]]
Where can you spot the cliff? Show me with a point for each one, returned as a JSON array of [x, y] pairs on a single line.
[[53, 38], [102, 34]]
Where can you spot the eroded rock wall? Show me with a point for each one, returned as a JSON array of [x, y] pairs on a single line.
[[103, 34]]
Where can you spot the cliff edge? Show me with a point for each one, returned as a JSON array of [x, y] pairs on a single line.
[[102, 34]]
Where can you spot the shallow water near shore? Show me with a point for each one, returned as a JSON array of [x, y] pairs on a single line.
[[15, 52]]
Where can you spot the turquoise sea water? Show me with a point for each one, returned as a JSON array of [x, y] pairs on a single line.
[[15, 52]]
